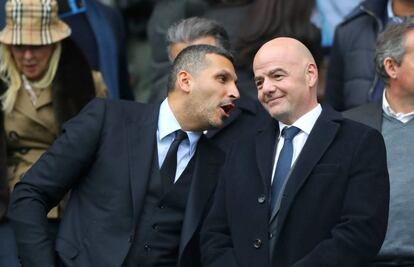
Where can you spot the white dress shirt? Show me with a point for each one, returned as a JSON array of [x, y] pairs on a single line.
[[402, 117], [305, 124], [167, 125]]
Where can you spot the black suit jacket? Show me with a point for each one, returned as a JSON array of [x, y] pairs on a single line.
[[104, 156], [333, 211]]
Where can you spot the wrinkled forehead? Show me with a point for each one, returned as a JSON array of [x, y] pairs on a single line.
[[275, 57]]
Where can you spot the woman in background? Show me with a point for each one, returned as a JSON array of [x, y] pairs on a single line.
[[46, 81]]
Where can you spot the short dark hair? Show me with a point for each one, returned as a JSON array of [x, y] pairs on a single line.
[[191, 29], [391, 43], [192, 60]]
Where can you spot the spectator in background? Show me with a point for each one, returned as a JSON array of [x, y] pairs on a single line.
[[249, 114], [227, 13], [351, 78], [99, 31], [393, 116], [330, 13], [46, 81], [165, 14]]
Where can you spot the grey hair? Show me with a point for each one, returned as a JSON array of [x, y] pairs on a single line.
[[193, 59], [190, 29], [391, 43]]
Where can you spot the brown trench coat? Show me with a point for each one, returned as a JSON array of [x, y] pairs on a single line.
[[30, 129]]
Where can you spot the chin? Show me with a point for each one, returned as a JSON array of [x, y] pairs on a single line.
[[216, 124]]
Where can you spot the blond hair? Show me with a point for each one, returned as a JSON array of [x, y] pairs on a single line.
[[12, 77]]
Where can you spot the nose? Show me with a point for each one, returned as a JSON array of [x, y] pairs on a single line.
[[27, 53], [234, 91], [267, 86]]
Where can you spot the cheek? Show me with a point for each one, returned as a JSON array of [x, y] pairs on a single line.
[[260, 95], [45, 59], [17, 58]]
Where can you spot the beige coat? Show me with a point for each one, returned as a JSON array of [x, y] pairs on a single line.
[[31, 129]]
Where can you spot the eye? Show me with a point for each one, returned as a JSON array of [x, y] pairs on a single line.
[[222, 78], [259, 84], [277, 76], [19, 47]]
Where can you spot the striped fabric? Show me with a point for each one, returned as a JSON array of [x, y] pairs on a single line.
[[33, 22]]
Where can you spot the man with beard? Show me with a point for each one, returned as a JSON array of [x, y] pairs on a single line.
[[140, 176]]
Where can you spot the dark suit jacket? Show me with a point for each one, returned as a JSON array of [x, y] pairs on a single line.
[[369, 114], [104, 156], [333, 210]]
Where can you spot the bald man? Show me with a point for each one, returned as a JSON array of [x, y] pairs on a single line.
[[310, 189]]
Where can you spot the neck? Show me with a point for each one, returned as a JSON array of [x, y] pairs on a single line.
[[400, 103], [180, 110], [403, 8]]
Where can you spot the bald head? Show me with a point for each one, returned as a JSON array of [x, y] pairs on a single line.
[[288, 48], [286, 78]]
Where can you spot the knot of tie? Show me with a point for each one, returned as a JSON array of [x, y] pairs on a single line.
[[180, 135], [289, 133]]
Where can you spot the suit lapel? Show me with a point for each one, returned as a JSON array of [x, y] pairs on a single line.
[[24, 105], [265, 147], [371, 115], [142, 144], [322, 135], [205, 175]]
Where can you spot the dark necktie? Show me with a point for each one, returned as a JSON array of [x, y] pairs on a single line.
[[169, 166], [283, 163]]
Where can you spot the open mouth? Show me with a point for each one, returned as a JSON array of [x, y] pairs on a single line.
[[227, 108]]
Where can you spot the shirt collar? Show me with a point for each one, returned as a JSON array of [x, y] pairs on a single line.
[[389, 9], [307, 121], [386, 108], [391, 16], [167, 124]]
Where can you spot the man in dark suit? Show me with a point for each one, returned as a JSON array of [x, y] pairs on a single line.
[[393, 116], [124, 210], [248, 114], [309, 189]]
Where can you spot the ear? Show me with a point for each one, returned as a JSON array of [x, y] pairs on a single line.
[[312, 74], [391, 67], [184, 80]]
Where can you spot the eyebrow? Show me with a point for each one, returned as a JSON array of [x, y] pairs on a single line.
[[224, 73], [273, 71], [270, 73]]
